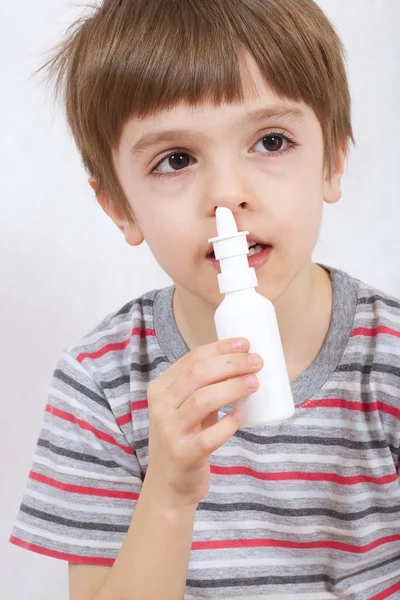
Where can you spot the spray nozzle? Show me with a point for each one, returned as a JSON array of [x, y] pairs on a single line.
[[231, 249], [226, 224]]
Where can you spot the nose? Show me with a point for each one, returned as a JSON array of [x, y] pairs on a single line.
[[228, 186]]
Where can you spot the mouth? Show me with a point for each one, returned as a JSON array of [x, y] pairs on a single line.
[[259, 252], [256, 246]]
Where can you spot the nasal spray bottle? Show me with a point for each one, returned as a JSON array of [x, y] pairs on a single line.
[[245, 313]]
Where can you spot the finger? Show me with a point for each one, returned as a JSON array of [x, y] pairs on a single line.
[[216, 436], [210, 371], [207, 401], [222, 347]]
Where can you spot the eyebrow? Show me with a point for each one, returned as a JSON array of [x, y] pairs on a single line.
[[148, 140]]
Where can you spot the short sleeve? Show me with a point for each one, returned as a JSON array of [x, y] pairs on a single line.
[[85, 478]]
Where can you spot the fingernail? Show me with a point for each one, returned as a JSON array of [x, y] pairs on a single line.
[[239, 344], [254, 359], [251, 381]]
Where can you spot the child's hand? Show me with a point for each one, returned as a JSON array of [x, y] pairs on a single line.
[[184, 428]]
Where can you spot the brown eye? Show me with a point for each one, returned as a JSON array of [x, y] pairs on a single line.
[[273, 143], [179, 161]]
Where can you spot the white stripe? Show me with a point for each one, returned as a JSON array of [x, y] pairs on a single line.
[[248, 562], [263, 524], [389, 350], [129, 480], [121, 400], [83, 409], [62, 539], [109, 509], [251, 492], [125, 327], [392, 317], [307, 421], [107, 336], [73, 436], [354, 386], [311, 421], [315, 459]]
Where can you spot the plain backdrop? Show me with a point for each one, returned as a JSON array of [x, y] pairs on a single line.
[[64, 265]]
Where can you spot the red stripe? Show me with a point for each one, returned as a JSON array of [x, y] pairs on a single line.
[[270, 542], [124, 419], [225, 544], [386, 593], [139, 405], [294, 475], [79, 489], [350, 405], [366, 331], [116, 346], [84, 560], [105, 437]]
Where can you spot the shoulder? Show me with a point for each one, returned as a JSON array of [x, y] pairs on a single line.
[[376, 328], [372, 304], [112, 364], [118, 333], [378, 309], [123, 339]]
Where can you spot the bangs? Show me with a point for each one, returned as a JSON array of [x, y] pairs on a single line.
[[183, 55], [191, 52]]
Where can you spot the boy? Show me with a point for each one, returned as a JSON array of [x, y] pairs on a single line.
[[178, 108]]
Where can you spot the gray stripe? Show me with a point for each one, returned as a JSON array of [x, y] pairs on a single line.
[[89, 525], [87, 458], [368, 369], [147, 367], [127, 308], [298, 512], [295, 441], [312, 440], [259, 581], [376, 297], [58, 374], [115, 383], [137, 303]]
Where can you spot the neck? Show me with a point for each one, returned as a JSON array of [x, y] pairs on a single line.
[[303, 312]]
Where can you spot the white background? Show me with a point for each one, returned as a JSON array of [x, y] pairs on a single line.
[[64, 265]]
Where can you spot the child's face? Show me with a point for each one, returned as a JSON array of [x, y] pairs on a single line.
[[275, 188]]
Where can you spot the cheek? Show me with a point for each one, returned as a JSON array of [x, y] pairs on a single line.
[[300, 220], [170, 242]]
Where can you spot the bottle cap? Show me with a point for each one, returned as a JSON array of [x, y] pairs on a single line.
[[231, 249]]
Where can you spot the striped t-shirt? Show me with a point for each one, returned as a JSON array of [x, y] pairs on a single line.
[[305, 509]]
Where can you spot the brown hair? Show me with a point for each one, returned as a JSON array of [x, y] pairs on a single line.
[[134, 57]]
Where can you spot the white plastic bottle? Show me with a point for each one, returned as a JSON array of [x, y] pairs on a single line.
[[246, 313]]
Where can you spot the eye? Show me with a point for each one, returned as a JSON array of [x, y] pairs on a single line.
[[274, 143], [173, 162]]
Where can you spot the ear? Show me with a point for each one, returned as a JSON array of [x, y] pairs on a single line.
[[332, 185], [129, 228]]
